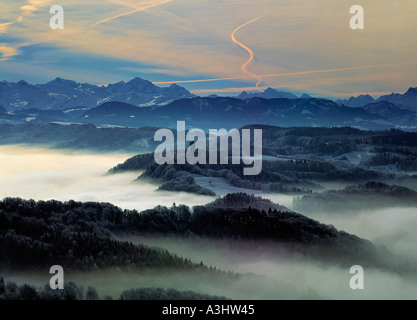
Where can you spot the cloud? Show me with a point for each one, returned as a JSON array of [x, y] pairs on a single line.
[[34, 5], [7, 51], [67, 175], [3, 26], [53, 174], [193, 38]]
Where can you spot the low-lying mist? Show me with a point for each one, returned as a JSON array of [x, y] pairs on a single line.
[[263, 274], [303, 275], [42, 174], [395, 228]]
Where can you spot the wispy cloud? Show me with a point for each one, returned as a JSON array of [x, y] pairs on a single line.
[[191, 40], [34, 5], [7, 51], [3, 26]]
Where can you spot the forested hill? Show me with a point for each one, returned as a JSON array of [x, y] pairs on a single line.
[[11, 291], [358, 197], [82, 235], [80, 137], [35, 235], [297, 160]]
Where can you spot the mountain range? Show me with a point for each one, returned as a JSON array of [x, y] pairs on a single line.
[[61, 94], [408, 100], [140, 103], [226, 112], [271, 93]]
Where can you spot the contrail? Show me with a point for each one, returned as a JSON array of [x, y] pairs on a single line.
[[287, 74], [240, 89], [245, 65], [324, 70], [197, 80], [130, 12]]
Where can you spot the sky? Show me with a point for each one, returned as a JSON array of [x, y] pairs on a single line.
[[215, 46]]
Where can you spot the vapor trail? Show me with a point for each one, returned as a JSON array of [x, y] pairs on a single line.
[[130, 12], [197, 80], [324, 70], [245, 65], [288, 74]]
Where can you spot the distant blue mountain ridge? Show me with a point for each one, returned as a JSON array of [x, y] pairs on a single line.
[[140, 103]]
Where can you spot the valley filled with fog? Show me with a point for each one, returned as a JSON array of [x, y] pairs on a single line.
[[42, 174]]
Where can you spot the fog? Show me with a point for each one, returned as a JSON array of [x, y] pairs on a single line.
[[302, 275], [221, 187], [42, 174], [395, 228], [264, 274]]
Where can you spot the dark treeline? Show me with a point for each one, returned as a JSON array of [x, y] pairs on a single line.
[[169, 294], [306, 150], [79, 235], [403, 160], [11, 291], [179, 177], [335, 140], [357, 197], [287, 176], [82, 137]]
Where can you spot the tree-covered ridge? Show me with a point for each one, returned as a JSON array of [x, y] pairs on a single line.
[[357, 197], [80, 137], [173, 177], [169, 294], [335, 140], [11, 291], [179, 177], [243, 201], [81, 235], [135, 163], [78, 236], [296, 160]]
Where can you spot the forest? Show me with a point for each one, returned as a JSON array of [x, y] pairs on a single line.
[[83, 236], [9, 290], [296, 161], [357, 197]]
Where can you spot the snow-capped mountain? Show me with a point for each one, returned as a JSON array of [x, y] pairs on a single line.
[[386, 109], [356, 102], [233, 113], [408, 100], [267, 94], [61, 94]]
